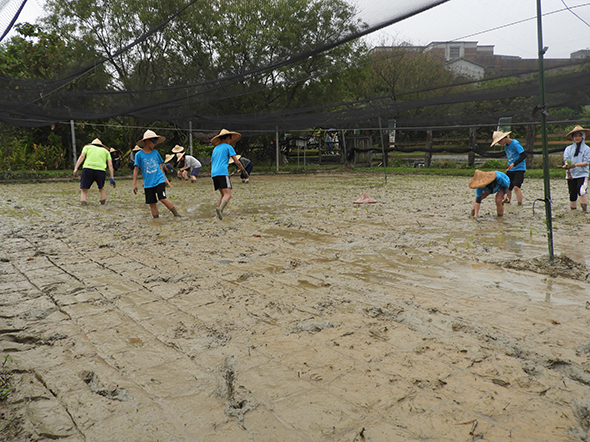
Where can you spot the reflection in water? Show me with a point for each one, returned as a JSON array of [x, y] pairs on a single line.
[[548, 292]]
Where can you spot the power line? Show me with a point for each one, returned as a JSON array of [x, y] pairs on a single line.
[[524, 20], [576, 15]]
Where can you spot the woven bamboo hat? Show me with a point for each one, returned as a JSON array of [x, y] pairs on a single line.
[[498, 135], [573, 131], [169, 157], [151, 134], [231, 159], [481, 179], [235, 137], [97, 142], [177, 149], [136, 148]]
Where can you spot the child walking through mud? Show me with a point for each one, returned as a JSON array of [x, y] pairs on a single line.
[[220, 157], [150, 162]]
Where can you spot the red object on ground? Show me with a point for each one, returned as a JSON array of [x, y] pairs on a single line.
[[365, 199]]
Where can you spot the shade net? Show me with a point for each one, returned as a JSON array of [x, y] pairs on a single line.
[[251, 66]]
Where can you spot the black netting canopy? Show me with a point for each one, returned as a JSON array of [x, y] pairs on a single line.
[[250, 65]]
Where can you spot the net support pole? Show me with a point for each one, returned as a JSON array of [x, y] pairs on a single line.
[[383, 153], [546, 180], [277, 147], [343, 147], [73, 130]]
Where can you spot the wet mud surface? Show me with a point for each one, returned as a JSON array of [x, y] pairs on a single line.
[[299, 317]]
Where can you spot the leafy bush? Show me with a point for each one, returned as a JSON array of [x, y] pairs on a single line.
[[24, 155], [494, 164]]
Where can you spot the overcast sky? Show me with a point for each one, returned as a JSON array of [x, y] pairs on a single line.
[[563, 32]]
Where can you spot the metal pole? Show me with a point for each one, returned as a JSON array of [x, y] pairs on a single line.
[[74, 154], [343, 147], [304, 155], [542, 51], [190, 136], [278, 148], [383, 157]]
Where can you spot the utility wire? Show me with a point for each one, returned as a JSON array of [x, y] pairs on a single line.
[[570, 10], [524, 20]]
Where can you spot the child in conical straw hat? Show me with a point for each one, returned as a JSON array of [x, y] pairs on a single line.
[[488, 183], [150, 162]]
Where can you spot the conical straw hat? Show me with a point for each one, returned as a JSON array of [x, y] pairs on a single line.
[[481, 179]]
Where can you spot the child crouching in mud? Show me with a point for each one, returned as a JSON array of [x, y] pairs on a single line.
[[488, 183], [150, 162]]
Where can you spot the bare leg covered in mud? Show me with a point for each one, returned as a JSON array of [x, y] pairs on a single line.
[[225, 196], [499, 204]]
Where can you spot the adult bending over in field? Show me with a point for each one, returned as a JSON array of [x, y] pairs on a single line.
[[576, 158], [96, 158], [487, 183]]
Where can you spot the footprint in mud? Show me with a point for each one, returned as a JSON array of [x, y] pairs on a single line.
[[96, 386]]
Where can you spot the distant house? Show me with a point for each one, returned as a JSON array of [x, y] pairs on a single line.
[[471, 60], [466, 68], [580, 55]]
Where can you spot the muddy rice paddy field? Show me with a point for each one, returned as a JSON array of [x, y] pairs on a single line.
[[299, 317]]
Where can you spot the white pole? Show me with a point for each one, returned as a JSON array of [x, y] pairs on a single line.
[[74, 154], [190, 135]]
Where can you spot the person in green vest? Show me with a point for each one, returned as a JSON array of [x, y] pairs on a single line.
[[95, 158]]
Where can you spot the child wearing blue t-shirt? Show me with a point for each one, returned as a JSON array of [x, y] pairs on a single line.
[[151, 165], [516, 157], [487, 183], [222, 153]]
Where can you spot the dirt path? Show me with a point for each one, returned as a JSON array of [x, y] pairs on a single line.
[[299, 317]]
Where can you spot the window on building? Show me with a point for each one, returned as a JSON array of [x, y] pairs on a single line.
[[454, 52]]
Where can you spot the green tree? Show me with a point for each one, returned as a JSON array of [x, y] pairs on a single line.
[[214, 58]]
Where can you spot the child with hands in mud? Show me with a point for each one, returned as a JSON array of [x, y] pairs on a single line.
[[488, 183], [149, 161]]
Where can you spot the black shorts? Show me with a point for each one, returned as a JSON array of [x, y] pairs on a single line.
[[90, 176], [516, 178], [153, 194], [221, 182], [574, 186]]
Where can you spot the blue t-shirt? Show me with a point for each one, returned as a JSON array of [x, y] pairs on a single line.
[[500, 182], [220, 159], [513, 151], [149, 163]]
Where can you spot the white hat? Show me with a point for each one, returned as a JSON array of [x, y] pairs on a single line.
[[235, 137], [97, 142], [150, 134], [498, 135], [231, 159]]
